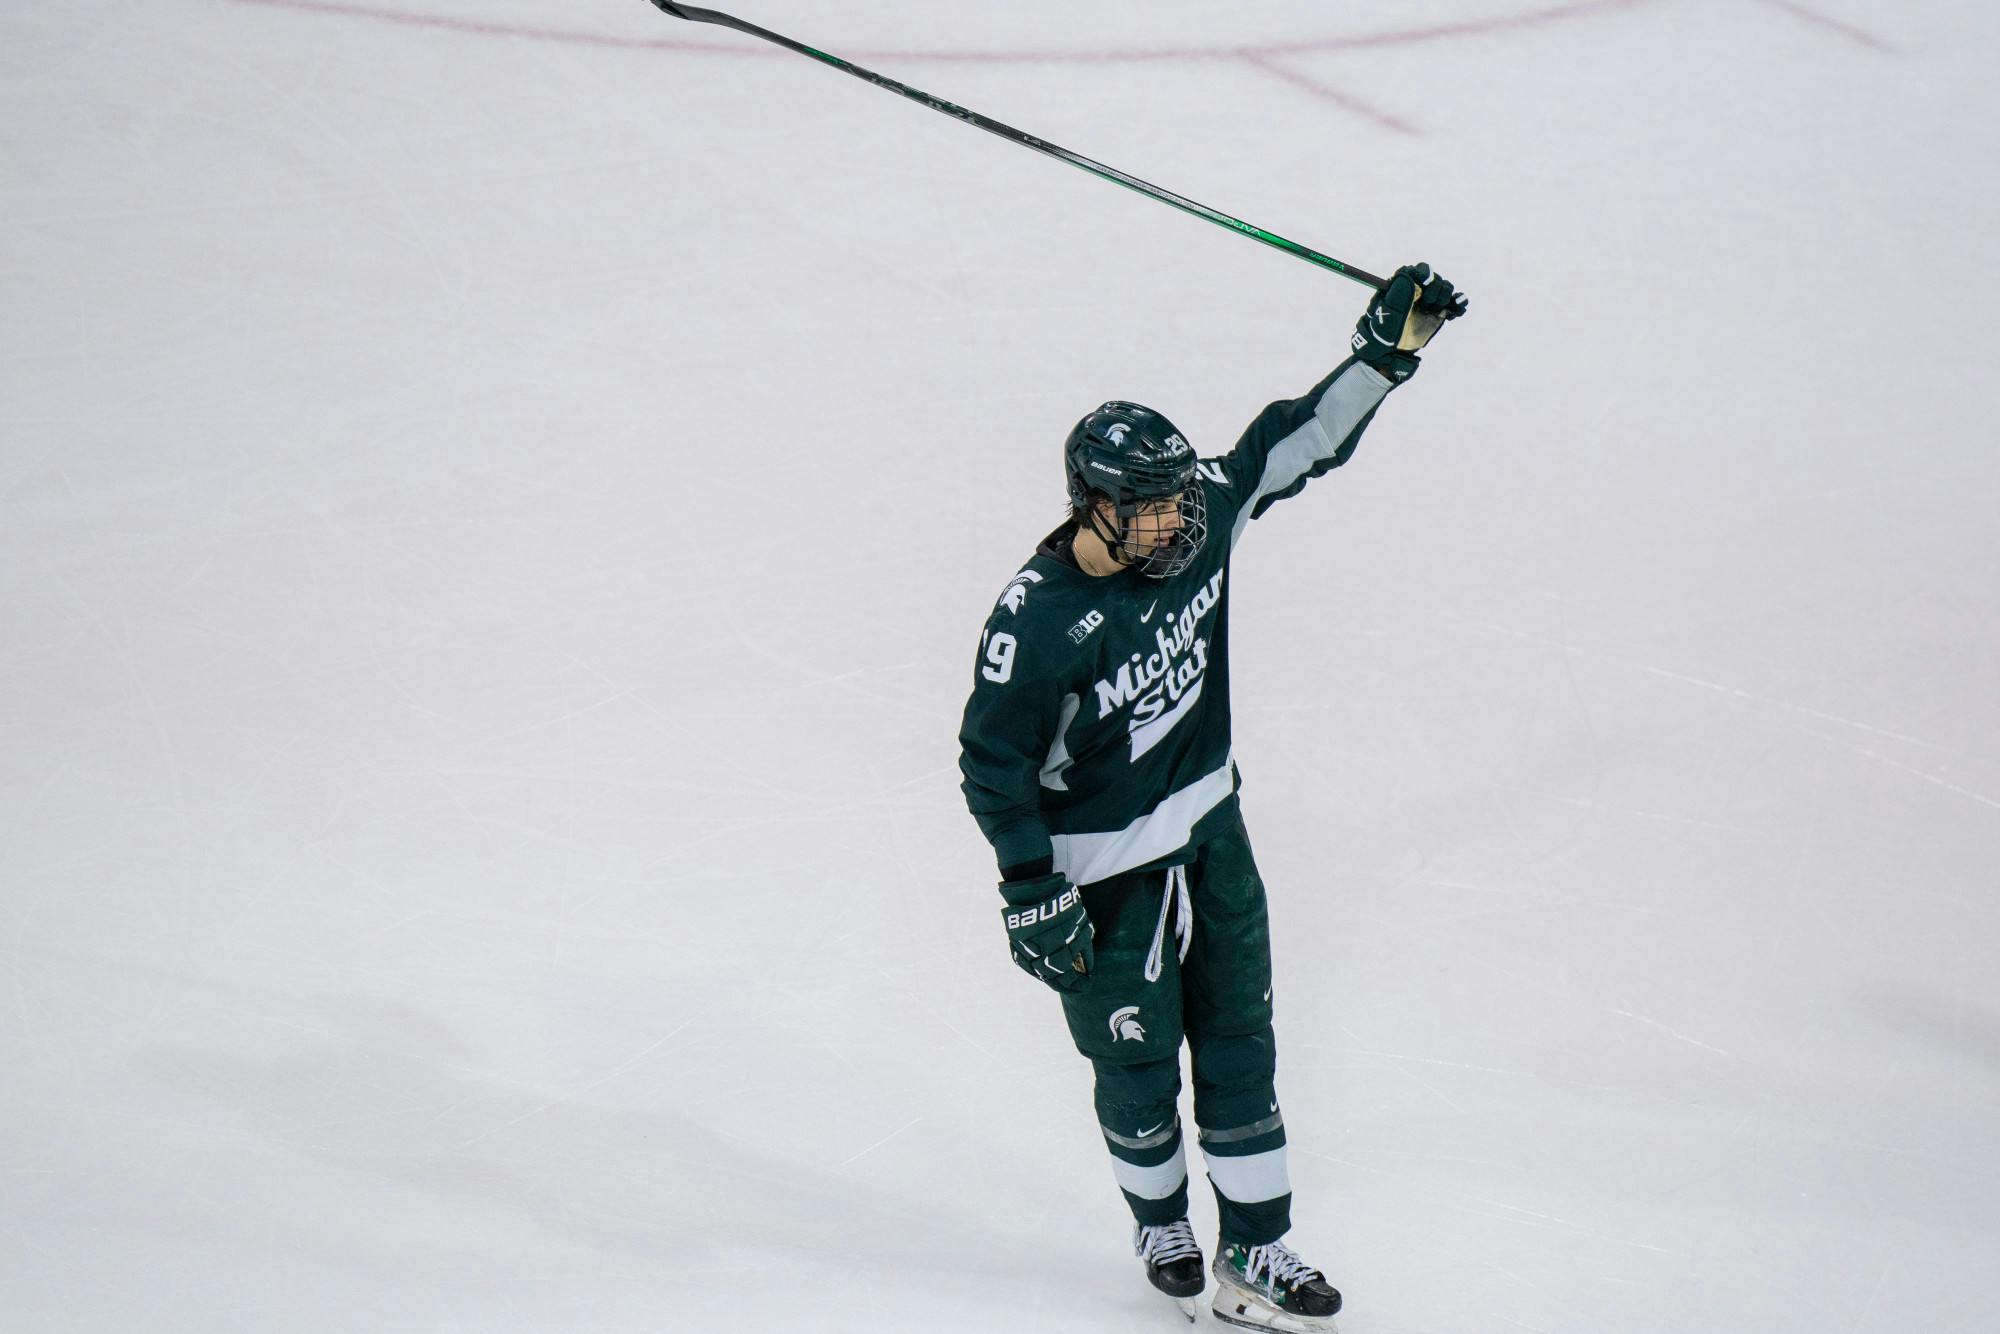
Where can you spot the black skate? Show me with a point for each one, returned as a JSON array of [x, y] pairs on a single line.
[[1268, 1287], [1173, 1261]]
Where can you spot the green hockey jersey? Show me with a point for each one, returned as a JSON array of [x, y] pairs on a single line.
[[1098, 731]]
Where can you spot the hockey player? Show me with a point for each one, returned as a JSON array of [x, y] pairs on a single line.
[[1096, 760]]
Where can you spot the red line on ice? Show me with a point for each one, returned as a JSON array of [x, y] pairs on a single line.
[[1260, 56], [1407, 37], [483, 29], [1847, 30], [1318, 89]]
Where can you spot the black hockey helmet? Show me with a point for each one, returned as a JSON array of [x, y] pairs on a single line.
[[1132, 456]]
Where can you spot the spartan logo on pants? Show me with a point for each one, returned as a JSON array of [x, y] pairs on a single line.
[[1125, 1026], [1163, 687]]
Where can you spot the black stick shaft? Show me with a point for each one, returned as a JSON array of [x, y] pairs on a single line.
[[695, 14]]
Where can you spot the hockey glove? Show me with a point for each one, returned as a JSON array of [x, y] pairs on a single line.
[[1048, 930], [1403, 318]]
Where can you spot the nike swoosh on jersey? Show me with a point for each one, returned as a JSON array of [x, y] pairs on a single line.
[[1149, 612]]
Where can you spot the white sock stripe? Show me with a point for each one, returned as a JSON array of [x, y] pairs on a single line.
[[1251, 1179], [1152, 1183]]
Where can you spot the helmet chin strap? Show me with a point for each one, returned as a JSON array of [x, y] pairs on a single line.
[[1113, 540]]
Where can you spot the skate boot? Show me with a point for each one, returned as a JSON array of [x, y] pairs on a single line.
[[1268, 1287], [1173, 1261]]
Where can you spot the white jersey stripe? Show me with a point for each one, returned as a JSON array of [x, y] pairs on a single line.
[[1340, 409], [1088, 858], [1152, 1183], [1059, 760]]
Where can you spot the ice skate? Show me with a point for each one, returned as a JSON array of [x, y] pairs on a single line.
[[1268, 1287], [1173, 1261]]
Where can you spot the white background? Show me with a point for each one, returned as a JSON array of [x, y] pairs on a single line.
[[497, 501]]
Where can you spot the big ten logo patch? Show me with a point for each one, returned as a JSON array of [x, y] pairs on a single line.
[[1082, 629]]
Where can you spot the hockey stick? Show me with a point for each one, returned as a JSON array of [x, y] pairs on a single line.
[[697, 15]]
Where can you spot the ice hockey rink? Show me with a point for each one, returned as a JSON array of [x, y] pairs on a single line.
[[497, 501]]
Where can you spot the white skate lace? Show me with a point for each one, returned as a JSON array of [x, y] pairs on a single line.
[[1158, 1245], [1269, 1265]]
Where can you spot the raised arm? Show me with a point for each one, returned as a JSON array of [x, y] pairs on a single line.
[[1295, 440]]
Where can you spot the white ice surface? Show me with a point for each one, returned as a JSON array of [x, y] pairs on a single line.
[[496, 501]]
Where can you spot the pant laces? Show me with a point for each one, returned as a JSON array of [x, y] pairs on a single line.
[[1158, 1245], [1174, 896], [1274, 1264]]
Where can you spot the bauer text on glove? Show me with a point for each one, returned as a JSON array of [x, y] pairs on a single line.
[[1048, 931]]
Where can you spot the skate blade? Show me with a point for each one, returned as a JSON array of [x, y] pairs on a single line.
[[1248, 1312], [1188, 1308]]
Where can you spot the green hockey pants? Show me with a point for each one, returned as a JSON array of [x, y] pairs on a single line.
[[1145, 999]]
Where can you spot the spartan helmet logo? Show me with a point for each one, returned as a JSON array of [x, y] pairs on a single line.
[[1125, 1025], [1116, 434]]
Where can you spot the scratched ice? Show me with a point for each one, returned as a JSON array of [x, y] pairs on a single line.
[[496, 501]]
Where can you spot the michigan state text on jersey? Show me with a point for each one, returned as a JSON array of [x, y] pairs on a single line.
[[1095, 750], [1098, 730]]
